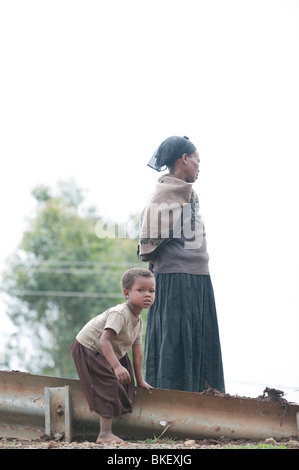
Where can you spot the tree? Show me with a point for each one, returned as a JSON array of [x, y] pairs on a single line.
[[60, 277]]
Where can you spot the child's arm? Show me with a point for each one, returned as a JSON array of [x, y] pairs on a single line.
[[137, 364], [105, 342]]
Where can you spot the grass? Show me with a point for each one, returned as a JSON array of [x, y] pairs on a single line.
[[259, 446], [157, 440], [8, 443]]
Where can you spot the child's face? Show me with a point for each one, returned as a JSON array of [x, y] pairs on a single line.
[[142, 293]]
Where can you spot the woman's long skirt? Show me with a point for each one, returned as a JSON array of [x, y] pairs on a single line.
[[104, 393], [182, 345]]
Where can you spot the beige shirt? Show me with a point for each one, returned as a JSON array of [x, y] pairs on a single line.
[[127, 326]]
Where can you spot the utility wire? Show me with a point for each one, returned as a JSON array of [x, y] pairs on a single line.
[[86, 263], [73, 271], [67, 294]]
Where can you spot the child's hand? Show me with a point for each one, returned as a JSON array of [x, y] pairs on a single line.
[[145, 385], [122, 374]]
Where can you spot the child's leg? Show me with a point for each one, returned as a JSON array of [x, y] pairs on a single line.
[[106, 434]]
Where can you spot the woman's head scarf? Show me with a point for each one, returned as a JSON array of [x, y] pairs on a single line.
[[170, 151]]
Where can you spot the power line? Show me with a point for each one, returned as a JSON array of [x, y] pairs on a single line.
[[77, 267], [64, 269], [86, 263], [68, 294], [72, 271]]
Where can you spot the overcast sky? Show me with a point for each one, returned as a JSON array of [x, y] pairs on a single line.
[[89, 89]]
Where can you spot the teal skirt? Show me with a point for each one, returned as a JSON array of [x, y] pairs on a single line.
[[182, 345]]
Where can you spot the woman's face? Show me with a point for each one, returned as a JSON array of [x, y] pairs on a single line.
[[192, 167]]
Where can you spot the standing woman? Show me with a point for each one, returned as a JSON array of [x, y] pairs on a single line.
[[182, 346]]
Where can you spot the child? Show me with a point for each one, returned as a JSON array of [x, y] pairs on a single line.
[[100, 352]]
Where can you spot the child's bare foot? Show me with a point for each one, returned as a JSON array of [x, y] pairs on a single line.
[[108, 438]]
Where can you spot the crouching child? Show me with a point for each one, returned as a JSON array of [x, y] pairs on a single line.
[[100, 353]]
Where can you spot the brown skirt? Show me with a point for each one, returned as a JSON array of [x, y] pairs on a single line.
[[105, 394]]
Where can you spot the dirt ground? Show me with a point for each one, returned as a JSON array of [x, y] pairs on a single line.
[[163, 444]]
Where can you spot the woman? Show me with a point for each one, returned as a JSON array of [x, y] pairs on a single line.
[[182, 346]]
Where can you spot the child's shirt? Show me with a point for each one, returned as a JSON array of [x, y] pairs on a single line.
[[127, 326]]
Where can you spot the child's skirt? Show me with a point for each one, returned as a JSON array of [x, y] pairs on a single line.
[[105, 394]]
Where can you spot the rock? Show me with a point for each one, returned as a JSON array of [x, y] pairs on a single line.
[[292, 444], [53, 445], [189, 442], [271, 441]]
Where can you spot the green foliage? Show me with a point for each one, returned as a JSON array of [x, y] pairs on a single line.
[[257, 446], [157, 440], [61, 276]]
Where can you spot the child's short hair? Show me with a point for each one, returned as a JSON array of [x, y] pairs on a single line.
[[128, 278]]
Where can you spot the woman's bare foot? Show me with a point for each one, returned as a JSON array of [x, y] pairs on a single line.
[[108, 438]]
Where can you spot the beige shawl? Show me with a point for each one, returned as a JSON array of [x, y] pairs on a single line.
[[171, 207]]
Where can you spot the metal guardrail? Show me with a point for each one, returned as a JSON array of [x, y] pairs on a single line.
[[34, 405]]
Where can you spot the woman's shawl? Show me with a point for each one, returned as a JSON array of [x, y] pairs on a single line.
[[171, 208]]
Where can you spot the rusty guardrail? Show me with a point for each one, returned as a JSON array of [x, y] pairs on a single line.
[[34, 405]]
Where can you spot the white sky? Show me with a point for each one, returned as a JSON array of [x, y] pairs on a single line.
[[89, 89]]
